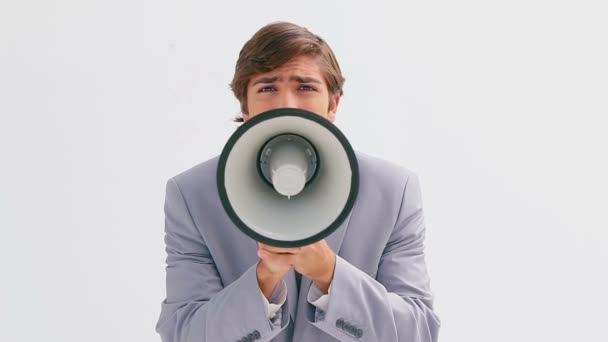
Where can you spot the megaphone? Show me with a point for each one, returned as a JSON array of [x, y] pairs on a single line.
[[287, 177]]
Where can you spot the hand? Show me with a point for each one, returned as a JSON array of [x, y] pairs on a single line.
[[276, 260], [274, 263], [316, 261]]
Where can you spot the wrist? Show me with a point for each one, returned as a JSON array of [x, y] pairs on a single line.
[[267, 280], [323, 281]]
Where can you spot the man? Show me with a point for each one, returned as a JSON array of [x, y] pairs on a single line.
[[366, 282]]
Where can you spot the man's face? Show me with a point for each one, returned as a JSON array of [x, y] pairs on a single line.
[[298, 83]]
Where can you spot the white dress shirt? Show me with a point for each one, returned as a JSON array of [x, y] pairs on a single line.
[[279, 295]]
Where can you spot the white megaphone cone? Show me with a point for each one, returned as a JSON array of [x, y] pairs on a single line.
[[288, 177]]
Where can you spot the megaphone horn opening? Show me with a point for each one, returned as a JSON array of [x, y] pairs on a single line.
[[288, 163]]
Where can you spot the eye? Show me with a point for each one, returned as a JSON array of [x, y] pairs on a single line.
[[307, 88], [266, 89]]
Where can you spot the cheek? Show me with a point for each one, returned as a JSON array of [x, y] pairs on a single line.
[[321, 104], [259, 104], [253, 103]]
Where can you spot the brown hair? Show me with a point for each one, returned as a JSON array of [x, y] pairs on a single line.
[[276, 44]]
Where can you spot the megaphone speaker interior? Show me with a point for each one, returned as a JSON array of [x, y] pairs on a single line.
[[288, 177]]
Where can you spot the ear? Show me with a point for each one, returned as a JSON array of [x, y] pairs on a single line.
[[334, 101], [244, 112]]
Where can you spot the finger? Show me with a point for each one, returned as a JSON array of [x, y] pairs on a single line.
[[280, 250], [276, 258], [274, 249]]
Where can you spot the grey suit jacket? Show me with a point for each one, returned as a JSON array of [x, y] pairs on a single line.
[[380, 290]]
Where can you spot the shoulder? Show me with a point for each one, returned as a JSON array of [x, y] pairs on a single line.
[[383, 173], [201, 176]]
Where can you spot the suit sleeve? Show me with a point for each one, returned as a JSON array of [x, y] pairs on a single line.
[[198, 307], [398, 304]]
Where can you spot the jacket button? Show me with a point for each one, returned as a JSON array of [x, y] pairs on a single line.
[[256, 335], [340, 323]]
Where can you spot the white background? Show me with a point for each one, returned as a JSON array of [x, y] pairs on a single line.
[[500, 107]]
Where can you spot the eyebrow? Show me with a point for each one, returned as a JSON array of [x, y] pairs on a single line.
[[299, 79]]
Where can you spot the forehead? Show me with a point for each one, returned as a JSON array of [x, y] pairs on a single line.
[[305, 66]]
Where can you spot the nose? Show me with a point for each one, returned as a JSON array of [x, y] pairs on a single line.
[[287, 99]]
